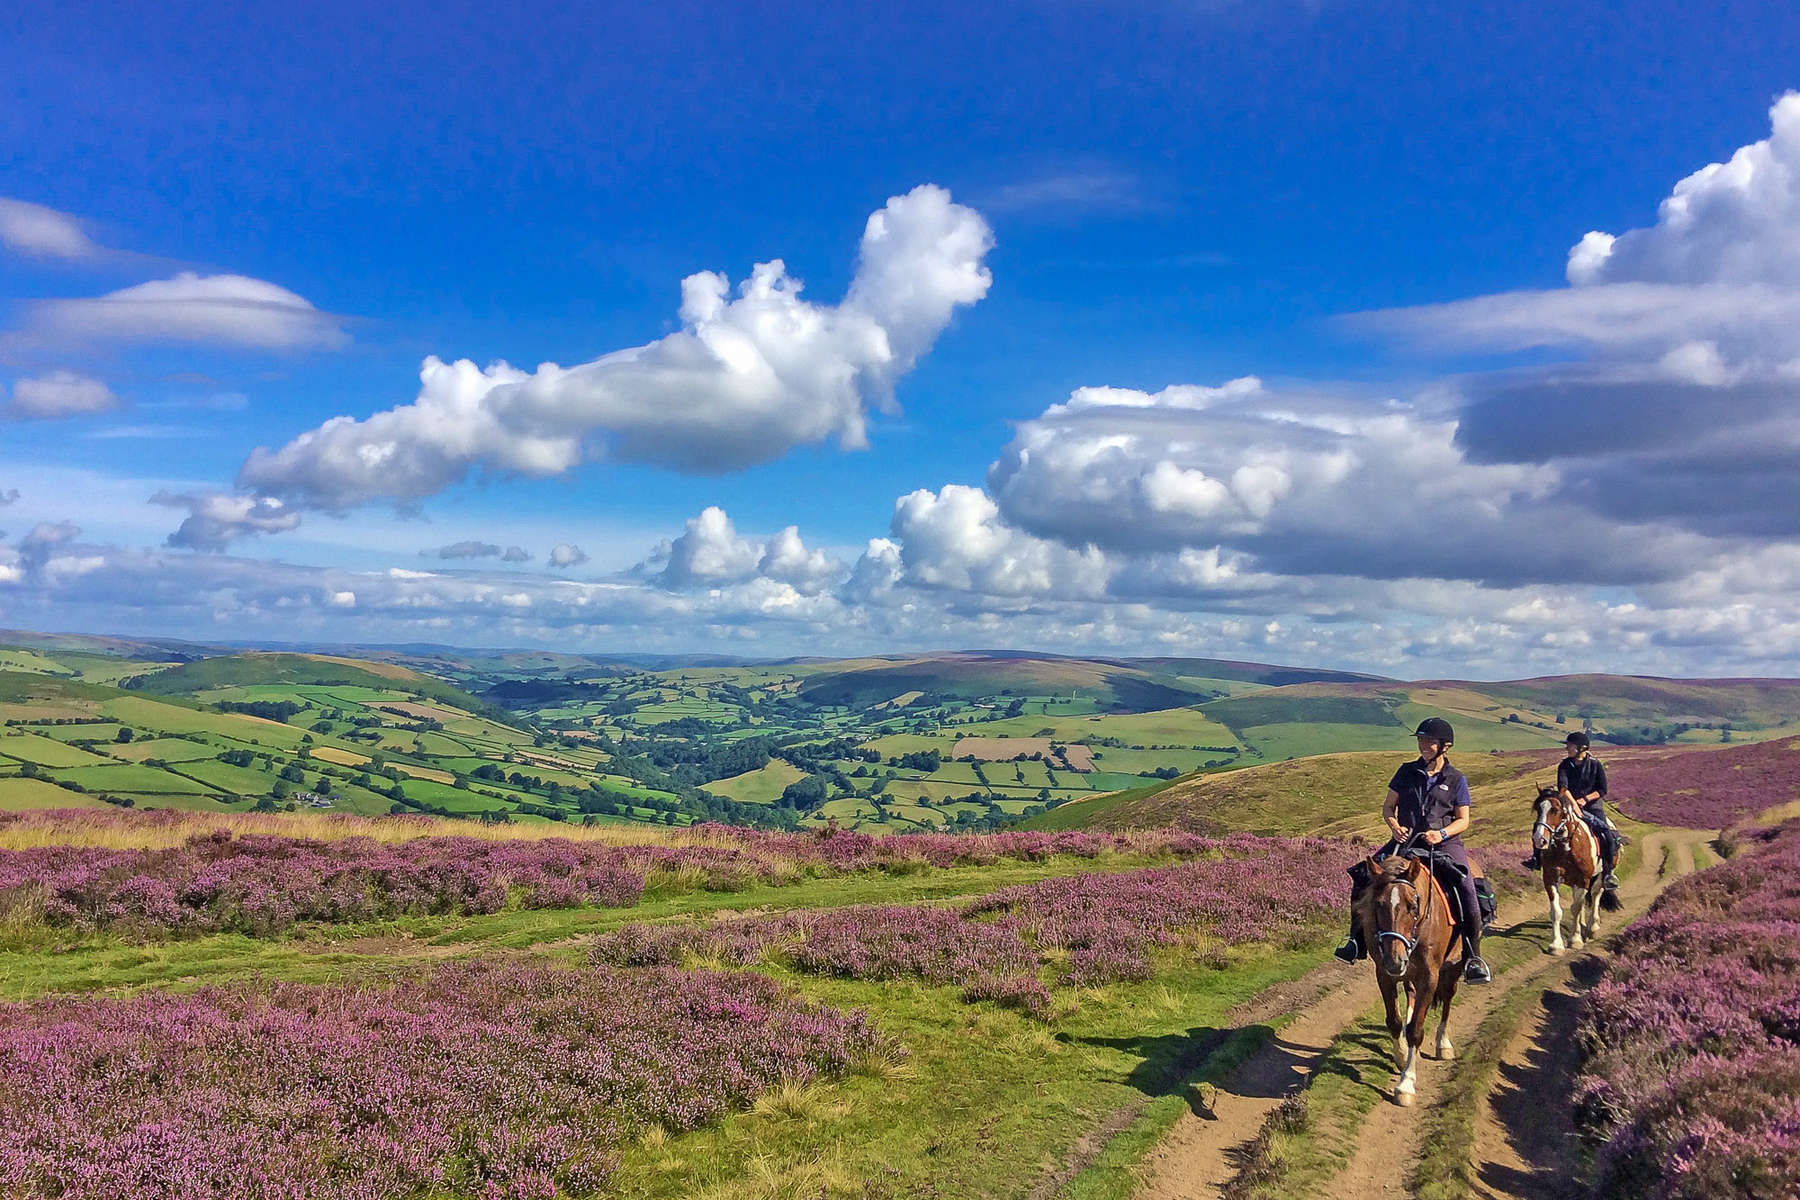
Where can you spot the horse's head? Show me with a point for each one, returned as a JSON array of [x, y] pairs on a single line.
[[1400, 901], [1554, 815]]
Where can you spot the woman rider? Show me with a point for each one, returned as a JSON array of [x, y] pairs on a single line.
[[1581, 777], [1430, 798]]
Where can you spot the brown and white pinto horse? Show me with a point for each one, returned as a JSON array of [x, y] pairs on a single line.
[[1406, 922], [1571, 855]]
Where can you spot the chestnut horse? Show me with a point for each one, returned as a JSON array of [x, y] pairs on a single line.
[[1406, 921], [1571, 855]]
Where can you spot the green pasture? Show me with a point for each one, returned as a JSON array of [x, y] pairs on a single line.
[[169, 749], [105, 732], [761, 786], [29, 661], [18, 795], [45, 752], [238, 781], [131, 777], [142, 712]]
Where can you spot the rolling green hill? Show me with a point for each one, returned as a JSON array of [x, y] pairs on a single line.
[[263, 669]]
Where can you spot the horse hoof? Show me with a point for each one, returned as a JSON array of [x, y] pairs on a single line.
[[1553, 949], [1446, 1054], [1405, 1099]]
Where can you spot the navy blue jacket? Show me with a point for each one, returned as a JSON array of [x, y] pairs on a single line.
[[1429, 801]]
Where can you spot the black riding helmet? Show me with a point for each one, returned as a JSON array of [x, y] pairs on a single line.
[[1577, 739], [1436, 727]]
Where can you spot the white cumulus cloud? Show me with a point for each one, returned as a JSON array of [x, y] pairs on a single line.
[[711, 553], [216, 519], [1730, 222], [747, 378], [565, 555]]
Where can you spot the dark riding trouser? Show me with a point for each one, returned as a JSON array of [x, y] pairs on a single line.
[[1595, 812]]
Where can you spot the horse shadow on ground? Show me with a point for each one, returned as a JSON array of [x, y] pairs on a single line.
[[1533, 1101], [1167, 1063]]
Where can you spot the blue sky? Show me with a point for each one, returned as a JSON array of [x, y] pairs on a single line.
[[223, 229]]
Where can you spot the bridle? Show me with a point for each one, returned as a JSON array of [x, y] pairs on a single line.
[[1421, 910], [1559, 835]]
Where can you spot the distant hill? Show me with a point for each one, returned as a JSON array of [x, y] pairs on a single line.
[[262, 669], [1118, 684], [1328, 795], [1623, 699], [1248, 672], [1110, 685]]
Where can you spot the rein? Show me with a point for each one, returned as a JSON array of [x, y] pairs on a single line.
[[1420, 915]]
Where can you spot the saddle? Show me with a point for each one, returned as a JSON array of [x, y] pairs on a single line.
[[1447, 873]]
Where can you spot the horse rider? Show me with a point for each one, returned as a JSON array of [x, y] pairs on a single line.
[[1582, 778], [1428, 798]]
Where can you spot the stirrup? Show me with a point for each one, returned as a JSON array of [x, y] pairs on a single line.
[[1351, 951], [1610, 882], [1476, 970], [1535, 862]]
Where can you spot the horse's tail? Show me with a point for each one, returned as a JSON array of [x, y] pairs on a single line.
[[1609, 900]]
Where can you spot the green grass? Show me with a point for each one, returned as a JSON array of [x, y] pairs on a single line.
[[79, 733], [169, 749], [761, 786], [131, 777], [238, 781], [45, 752], [19, 795]]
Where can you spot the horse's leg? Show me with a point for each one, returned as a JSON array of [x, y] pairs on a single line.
[[1593, 906], [1554, 891], [1579, 897], [1395, 1025], [1446, 993], [1422, 992]]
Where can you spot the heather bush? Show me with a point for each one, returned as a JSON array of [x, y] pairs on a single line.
[[1100, 927], [263, 883], [1706, 789], [501, 1080], [1691, 1041]]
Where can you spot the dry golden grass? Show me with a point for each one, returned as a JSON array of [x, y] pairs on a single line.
[[110, 829], [343, 758]]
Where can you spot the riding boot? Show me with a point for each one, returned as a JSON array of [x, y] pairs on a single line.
[[1352, 950], [1536, 861], [1475, 968]]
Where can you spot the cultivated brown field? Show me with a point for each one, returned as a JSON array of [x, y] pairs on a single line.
[[1001, 749]]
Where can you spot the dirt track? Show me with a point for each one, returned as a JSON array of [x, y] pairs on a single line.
[[1519, 1151]]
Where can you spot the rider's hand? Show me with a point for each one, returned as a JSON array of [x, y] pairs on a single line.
[[1433, 837]]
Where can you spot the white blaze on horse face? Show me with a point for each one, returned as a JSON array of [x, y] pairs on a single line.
[[1391, 952]]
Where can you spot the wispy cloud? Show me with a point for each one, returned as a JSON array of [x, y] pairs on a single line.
[[1089, 190], [40, 232], [59, 394]]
